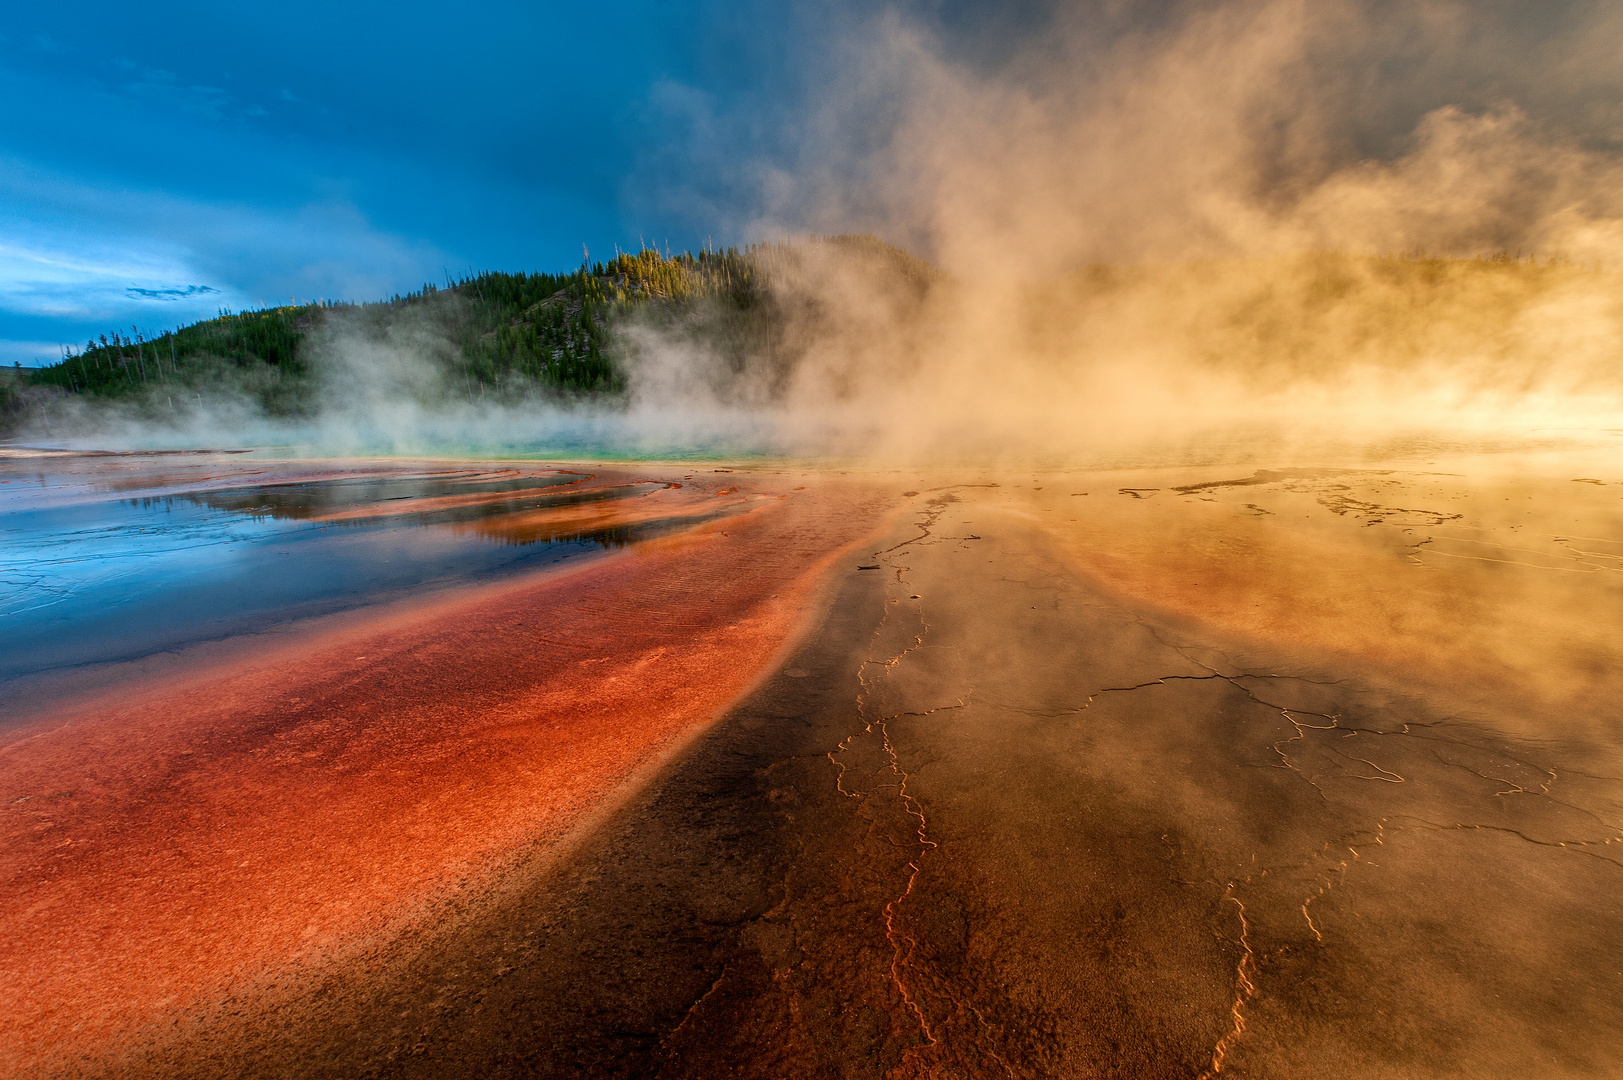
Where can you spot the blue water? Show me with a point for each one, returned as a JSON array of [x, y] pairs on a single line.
[[120, 578]]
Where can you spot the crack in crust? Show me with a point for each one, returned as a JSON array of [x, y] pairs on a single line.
[[903, 944], [1244, 989]]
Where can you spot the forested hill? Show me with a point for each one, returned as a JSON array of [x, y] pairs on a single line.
[[490, 333]]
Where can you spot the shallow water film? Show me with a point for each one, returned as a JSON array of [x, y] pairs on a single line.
[[112, 558], [1268, 768]]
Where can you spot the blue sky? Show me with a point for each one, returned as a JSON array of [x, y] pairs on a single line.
[[161, 161], [158, 162]]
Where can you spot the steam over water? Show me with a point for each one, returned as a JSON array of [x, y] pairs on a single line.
[[1177, 631]]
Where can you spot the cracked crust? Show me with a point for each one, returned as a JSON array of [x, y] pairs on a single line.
[[1044, 799]]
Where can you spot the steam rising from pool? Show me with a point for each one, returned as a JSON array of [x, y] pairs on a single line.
[[1161, 239]]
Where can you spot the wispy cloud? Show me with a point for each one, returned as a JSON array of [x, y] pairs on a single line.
[[87, 255], [208, 102], [137, 293], [54, 273], [29, 353]]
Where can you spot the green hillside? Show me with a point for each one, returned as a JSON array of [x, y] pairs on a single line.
[[494, 333]]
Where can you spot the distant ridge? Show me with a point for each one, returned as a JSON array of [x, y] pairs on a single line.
[[487, 333]]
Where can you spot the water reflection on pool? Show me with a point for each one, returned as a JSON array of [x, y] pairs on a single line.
[[92, 572]]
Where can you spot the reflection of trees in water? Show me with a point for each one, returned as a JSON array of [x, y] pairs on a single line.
[[605, 536], [495, 509], [305, 499], [491, 521], [302, 502]]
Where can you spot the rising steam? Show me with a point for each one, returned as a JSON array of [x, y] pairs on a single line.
[[1214, 164], [1262, 219]]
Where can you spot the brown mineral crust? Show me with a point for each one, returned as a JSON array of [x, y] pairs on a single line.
[[1499, 627], [170, 848]]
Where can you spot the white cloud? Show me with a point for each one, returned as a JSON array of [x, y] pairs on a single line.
[[55, 273], [29, 353], [88, 253]]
